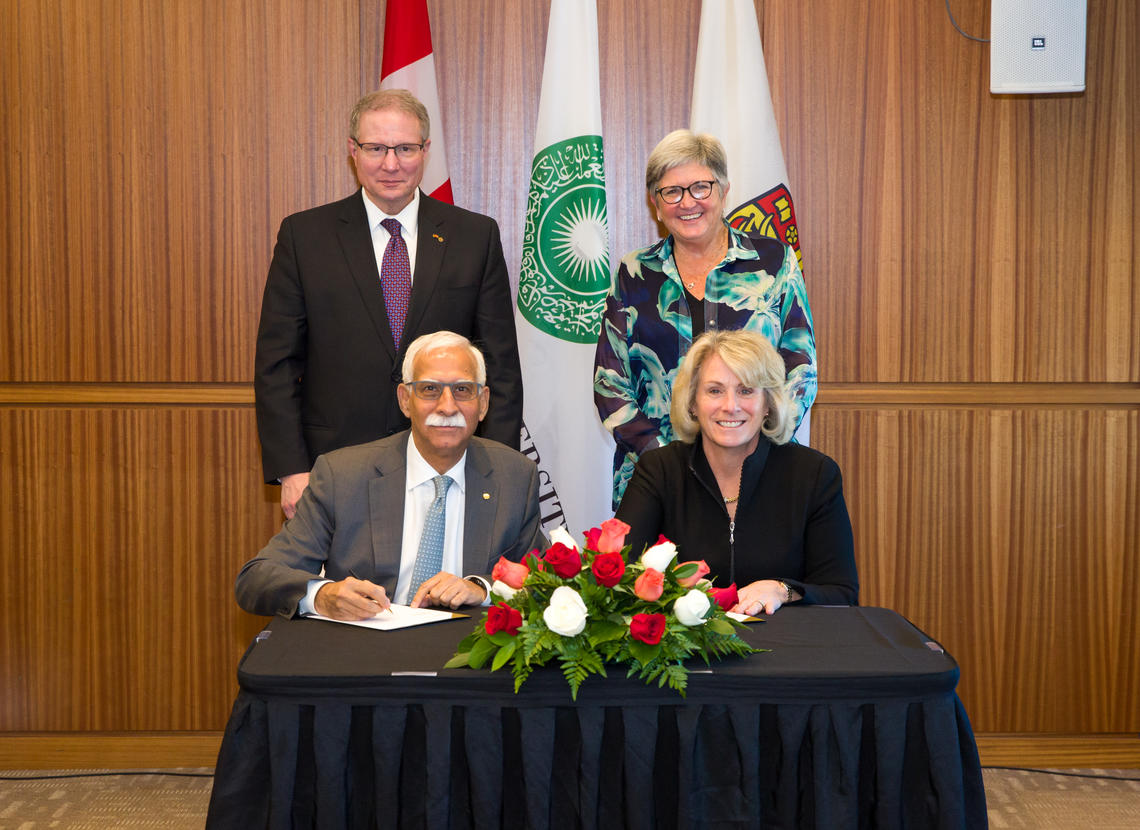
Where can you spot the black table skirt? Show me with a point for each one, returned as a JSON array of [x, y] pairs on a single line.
[[814, 734]]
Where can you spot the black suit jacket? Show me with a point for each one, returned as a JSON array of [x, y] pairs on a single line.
[[791, 518], [350, 521], [327, 367]]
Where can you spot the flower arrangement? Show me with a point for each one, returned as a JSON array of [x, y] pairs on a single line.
[[586, 608]]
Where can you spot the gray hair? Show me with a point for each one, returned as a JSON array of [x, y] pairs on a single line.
[[443, 340], [754, 360], [681, 147], [390, 99]]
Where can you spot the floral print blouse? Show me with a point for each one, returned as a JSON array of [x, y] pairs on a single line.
[[648, 328]]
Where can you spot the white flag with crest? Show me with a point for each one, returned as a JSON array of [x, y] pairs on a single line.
[[564, 278]]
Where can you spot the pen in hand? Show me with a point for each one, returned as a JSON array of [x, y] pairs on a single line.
[[387, 607]]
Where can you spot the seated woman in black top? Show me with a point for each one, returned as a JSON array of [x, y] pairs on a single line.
[[764, 514]]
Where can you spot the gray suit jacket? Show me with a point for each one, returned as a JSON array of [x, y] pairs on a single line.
[[350, 521]]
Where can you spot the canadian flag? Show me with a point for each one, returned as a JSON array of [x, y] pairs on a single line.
[[408, 64]]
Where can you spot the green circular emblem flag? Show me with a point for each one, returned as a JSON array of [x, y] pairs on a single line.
[[565, 271]]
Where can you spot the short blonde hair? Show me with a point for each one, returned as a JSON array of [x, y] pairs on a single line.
[[443, 340], [755, 362], [681, 147], [390, 99]]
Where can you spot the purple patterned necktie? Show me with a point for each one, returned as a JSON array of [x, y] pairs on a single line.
[[396, 279]]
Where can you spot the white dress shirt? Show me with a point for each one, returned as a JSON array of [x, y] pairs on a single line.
[[418, 496]]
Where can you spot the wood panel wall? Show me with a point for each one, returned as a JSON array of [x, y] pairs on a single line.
[[972, 268]]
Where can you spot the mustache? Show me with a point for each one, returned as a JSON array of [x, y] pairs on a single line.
[[456, 419]]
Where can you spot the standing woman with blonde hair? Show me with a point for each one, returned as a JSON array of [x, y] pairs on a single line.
[[704, 276], [764, 514]]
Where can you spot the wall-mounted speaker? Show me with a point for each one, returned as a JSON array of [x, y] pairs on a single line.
[[1037, 46]]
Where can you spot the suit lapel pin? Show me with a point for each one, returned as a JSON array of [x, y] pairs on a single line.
[[486, 497], [437, 237]]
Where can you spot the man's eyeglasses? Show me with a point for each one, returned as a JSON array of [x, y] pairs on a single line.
[[404, 152], [675, 193], [432, 390]]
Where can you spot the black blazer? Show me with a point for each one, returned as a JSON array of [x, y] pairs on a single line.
[[327, 367], [791, 519]]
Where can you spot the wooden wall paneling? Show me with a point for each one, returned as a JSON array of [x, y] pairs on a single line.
[[108, 750], [1060, 751], [1009, 535], [940, 86], [1105, 493], [1009, 201], [155, 148], [32, 184], [1113, 66], [825, 91], [945, 157], [647, 62], [124, 529]]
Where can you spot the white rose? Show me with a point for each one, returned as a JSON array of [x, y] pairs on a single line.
[[561, 534], [502, 589], [659, 556], [692, 607], [566, 614], [567, 596]]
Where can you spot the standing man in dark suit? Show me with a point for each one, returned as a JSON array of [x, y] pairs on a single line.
[[345, 295], [366, 516]]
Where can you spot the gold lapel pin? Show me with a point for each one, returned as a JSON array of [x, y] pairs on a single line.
[[437, 237], [486, 497]]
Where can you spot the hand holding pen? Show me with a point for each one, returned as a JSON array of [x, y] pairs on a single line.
[[351, 599]]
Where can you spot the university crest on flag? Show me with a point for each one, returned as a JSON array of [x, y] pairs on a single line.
[[770, 214], [565, 264]]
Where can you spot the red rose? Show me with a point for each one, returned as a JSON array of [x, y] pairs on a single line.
[[650, 585], [690, 581], [612, 536], [592, 537], [725, 597], [648, 628], [566, 562], [510, 573], [501, 617], [608, 569]]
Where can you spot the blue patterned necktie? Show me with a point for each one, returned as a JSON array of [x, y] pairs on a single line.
[[396, 279], [429, 557]]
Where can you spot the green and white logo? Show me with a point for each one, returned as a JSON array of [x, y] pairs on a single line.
[[565, 272]]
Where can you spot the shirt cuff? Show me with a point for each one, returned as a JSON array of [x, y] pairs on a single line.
[[308, 603], [486, 587]]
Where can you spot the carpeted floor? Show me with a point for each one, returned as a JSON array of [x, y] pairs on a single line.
[[103, 802], [1023, 799], [95, 801]]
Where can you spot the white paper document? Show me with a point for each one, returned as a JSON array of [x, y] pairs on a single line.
[[397, 616]]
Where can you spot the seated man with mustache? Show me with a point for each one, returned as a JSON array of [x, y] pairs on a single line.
[[399, 519]]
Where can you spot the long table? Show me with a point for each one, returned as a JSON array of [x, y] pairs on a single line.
[[850, 720]]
